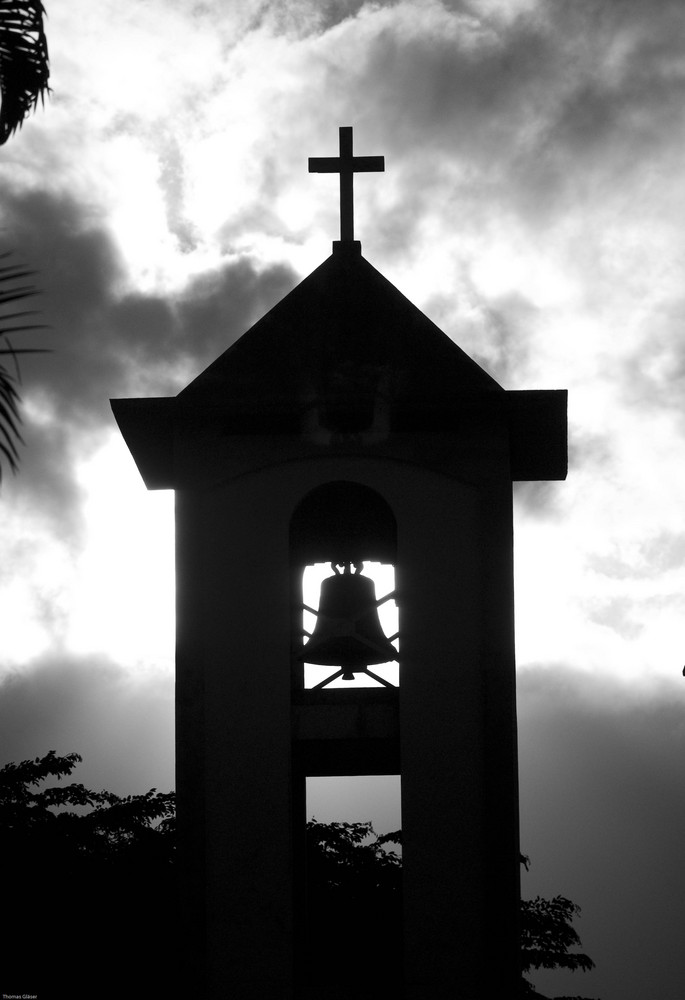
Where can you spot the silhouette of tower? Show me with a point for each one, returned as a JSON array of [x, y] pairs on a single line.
[[344, 427]]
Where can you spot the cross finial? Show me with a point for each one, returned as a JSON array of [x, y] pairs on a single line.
[[347, 166]]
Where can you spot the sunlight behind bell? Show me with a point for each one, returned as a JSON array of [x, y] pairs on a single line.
[[383, 576]]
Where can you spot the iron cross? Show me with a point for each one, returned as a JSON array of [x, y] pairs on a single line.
[[347, 166]]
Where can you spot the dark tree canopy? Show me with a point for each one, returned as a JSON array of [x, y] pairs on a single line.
[[547, 937], [92, 874], [353, 908], [88, 885], [78, 824]]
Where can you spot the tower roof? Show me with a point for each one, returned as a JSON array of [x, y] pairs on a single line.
[[345, 325], [343, 342]]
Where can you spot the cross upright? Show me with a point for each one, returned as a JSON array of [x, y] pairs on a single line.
[[347, 166]]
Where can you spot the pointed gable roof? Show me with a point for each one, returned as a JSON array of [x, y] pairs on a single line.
[[344, 338], [344, 318]]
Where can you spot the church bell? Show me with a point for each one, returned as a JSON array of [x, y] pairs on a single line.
[[348, 632]]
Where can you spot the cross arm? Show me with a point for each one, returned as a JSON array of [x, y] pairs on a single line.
[[356, 164]]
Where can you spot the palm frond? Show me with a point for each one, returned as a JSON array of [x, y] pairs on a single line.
[[24, 63], [9, 421], [10, 397]]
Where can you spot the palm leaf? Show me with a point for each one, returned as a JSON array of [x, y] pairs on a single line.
[[24, 64], [10, 398]]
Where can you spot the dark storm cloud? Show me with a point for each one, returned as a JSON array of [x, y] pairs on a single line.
[[102, 335], [603, 819], [122, 727], [107, 341]]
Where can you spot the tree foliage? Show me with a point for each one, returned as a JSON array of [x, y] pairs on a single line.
[[73, 819], [88, 874], [98, 869], [24, 63], [353, 906], [547, 935], [352, 858], [351, 872]]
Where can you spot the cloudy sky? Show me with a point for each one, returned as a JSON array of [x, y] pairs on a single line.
[[533, 207]]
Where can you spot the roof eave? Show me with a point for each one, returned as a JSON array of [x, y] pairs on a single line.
[[147, 426]]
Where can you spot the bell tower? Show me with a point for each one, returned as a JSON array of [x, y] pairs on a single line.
[[344, 430]]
